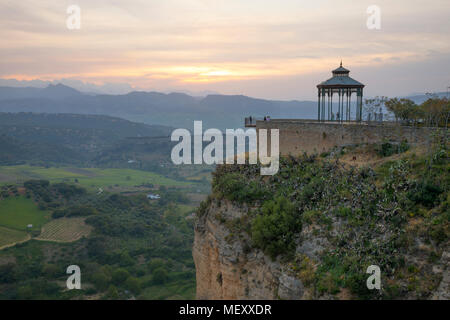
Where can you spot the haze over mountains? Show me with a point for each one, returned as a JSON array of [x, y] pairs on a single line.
[[75, 139], [173, 109]]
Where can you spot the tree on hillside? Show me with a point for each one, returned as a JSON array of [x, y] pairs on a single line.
[[436, 112], [160, 276], [405, 110]]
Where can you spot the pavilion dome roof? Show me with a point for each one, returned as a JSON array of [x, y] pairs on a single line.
[[341, 81], [341, 69], [341, 78]]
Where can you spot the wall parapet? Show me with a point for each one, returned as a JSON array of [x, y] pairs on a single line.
[[298, 136]]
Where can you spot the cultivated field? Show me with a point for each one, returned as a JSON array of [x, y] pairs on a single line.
[[18, 212], [10, 236], [64, 230], [179, 290], [87, 177]]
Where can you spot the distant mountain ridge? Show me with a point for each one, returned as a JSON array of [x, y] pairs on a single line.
[[155, 108], [58, 91], [72, 138], [173, 109], [115, 127], [420, 98]]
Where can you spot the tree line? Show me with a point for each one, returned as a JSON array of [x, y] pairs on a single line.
[[434, 112]]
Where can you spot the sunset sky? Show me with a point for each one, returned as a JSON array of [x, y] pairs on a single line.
[[262, 48]]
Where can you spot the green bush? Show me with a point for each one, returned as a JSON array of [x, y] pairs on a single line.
[[7, 273], [81, 211], [235, 188], [119, 276], [274, 230], [133, 285], [356, 282], [113, 293], [100, 280], [201, 210], [68, 190], [403, 147], [385, 150], [25, 292], [343, 212], [58, 213], [156, 263], [51, 271], [425, 193], [388, 149], [160, 276]]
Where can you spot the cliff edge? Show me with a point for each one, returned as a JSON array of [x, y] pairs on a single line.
[[311, 231]]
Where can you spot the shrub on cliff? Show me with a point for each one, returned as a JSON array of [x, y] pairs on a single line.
[[425, 193], [233, 187], [274, 230], [387, 149]]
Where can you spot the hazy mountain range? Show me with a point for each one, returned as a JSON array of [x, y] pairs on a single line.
[[173, 109], [77, 139]]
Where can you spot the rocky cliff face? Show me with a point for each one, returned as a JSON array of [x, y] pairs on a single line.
[[294, 236], [228, 269]]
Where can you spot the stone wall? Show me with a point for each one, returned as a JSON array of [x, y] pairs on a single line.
[[299, 136]]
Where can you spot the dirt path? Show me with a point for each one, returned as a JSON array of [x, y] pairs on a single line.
[[14, 243]]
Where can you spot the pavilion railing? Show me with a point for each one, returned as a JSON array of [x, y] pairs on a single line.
[[251, 121], [370, 118]]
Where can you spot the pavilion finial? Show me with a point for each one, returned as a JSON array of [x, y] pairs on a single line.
[[341, 62]]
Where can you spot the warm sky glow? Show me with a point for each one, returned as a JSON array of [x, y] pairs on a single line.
[[263, 48]]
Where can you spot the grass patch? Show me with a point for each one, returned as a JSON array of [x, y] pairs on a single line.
[[18, 212], [87, 177], [10, 236], [179, 290], [184, 209]]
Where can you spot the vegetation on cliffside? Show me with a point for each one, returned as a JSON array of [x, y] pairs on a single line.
[[394, 215]]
